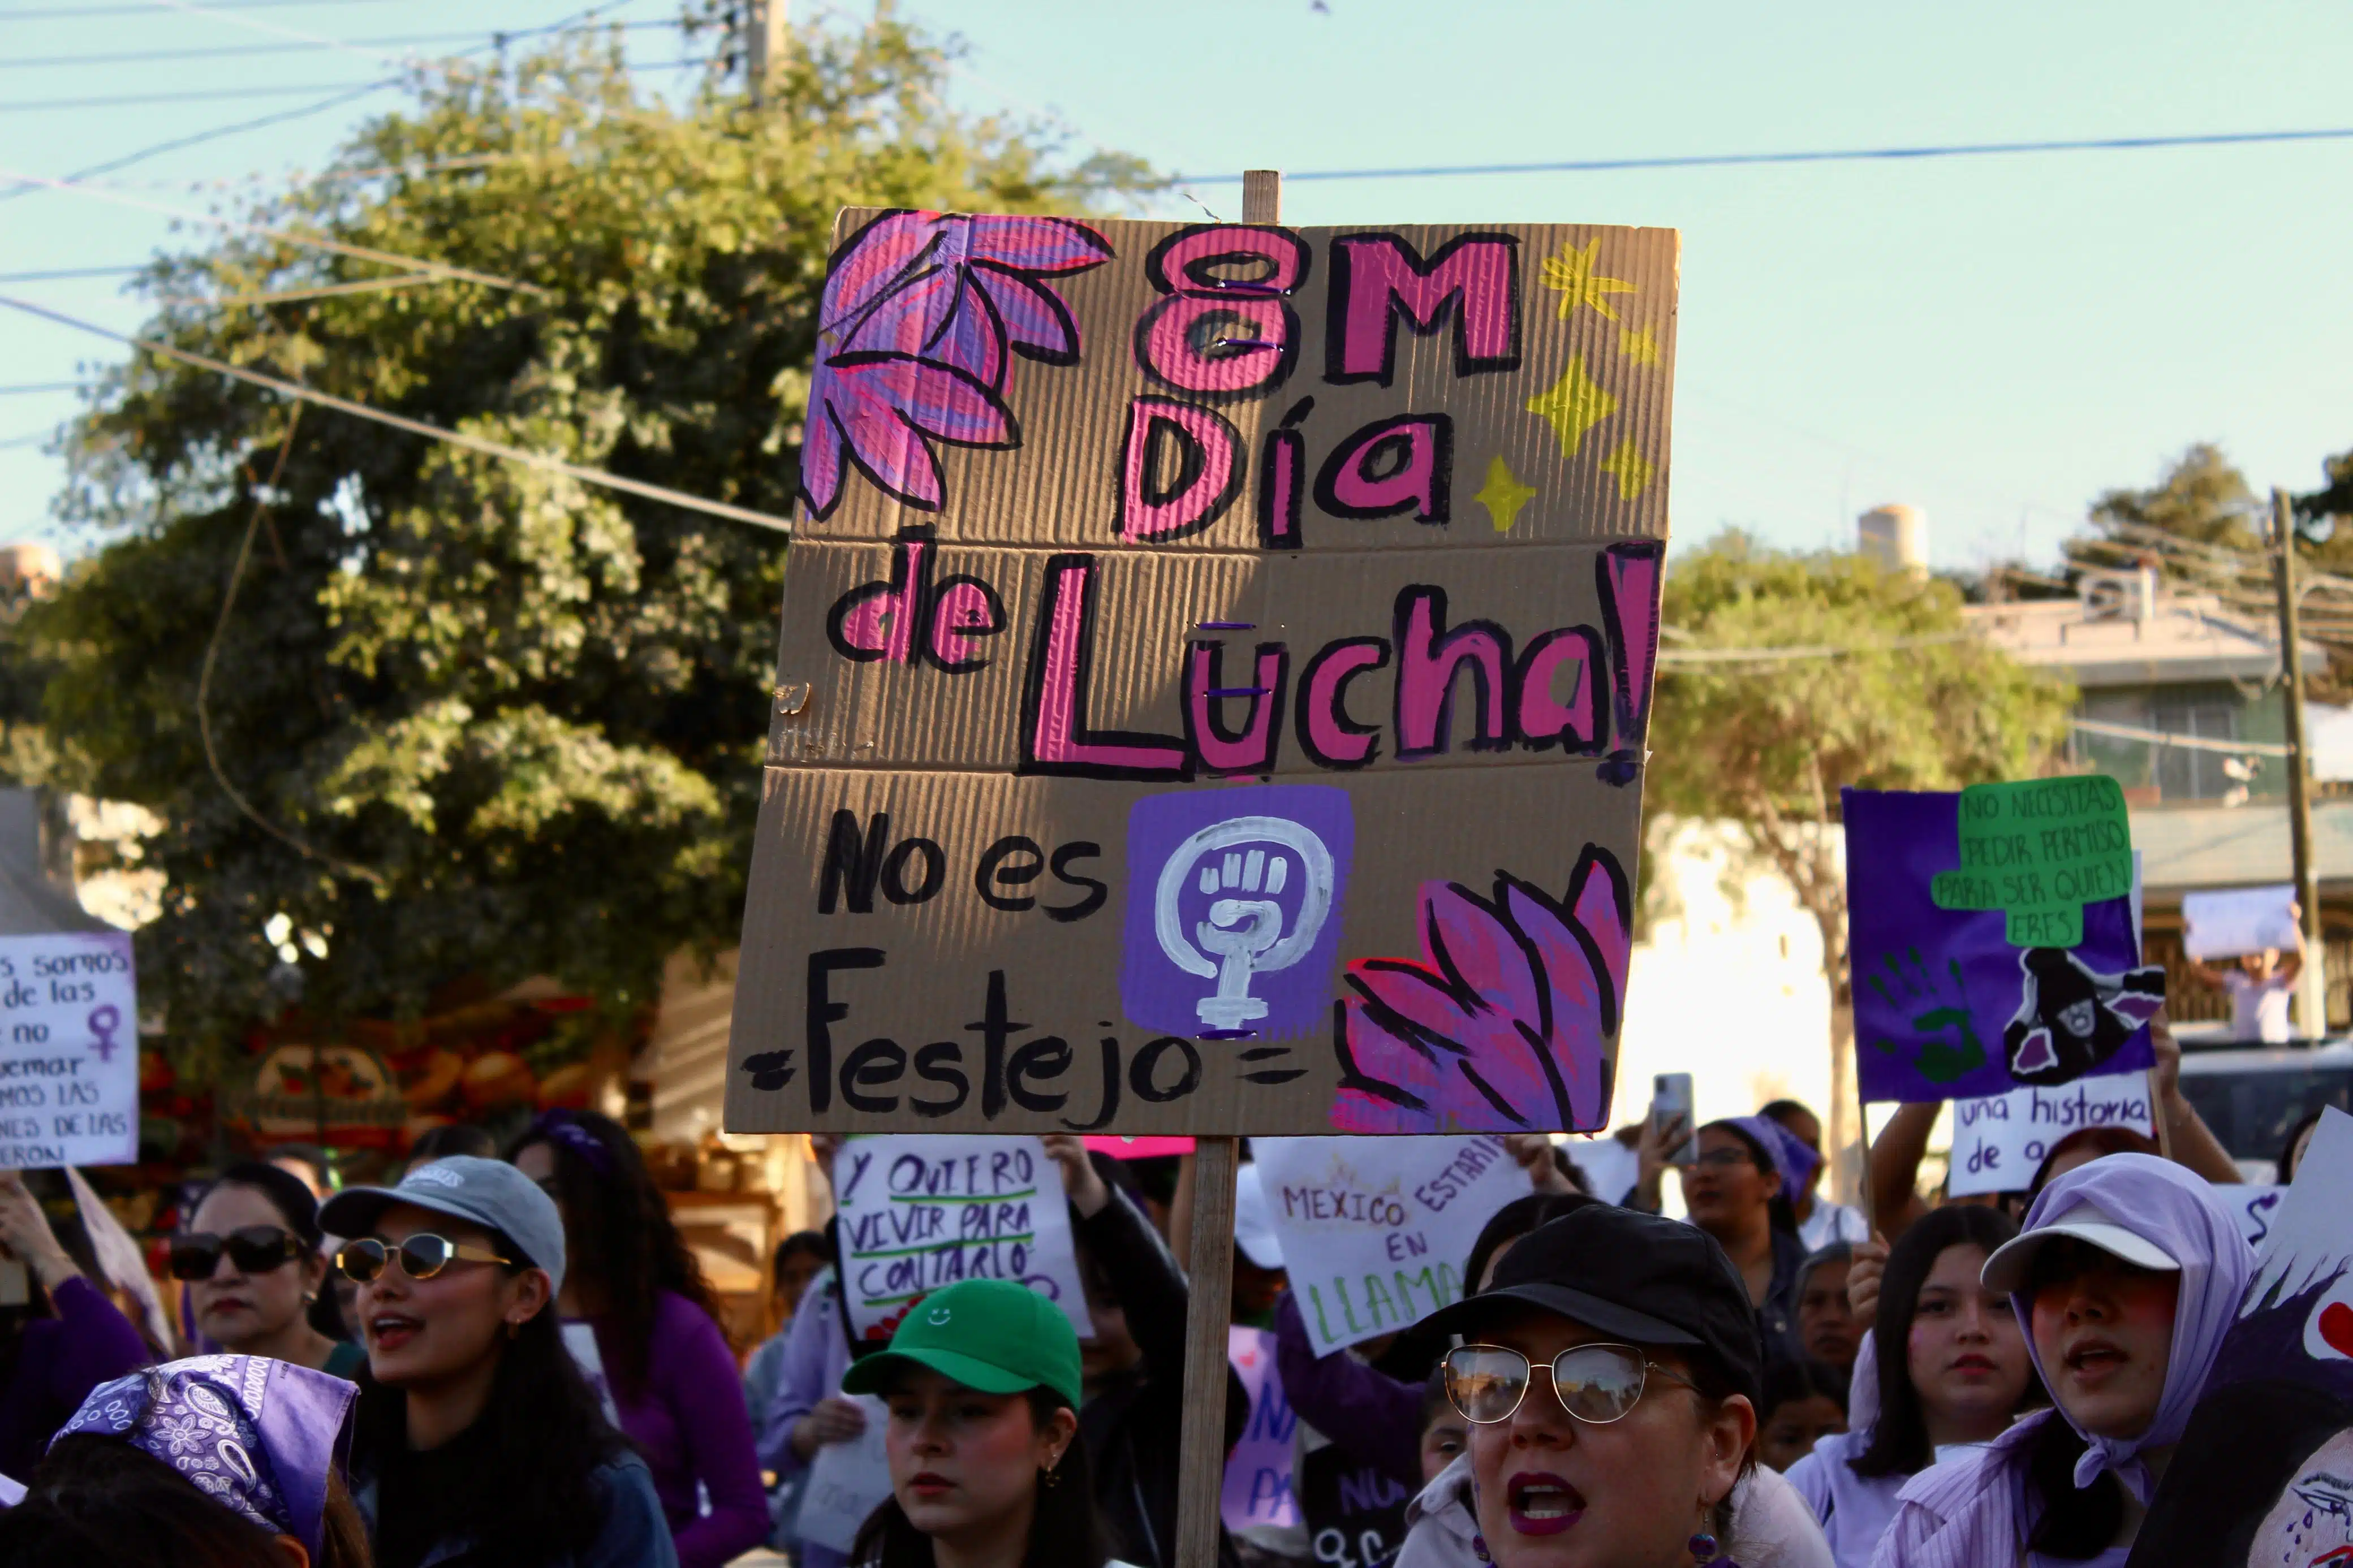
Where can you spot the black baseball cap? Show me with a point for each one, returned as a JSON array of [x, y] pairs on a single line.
[[1638, 1276]]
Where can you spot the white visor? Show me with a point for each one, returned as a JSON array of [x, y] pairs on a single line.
[[2007, 1270]]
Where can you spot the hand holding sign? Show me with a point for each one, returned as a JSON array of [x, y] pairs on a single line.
[[2039, 851]]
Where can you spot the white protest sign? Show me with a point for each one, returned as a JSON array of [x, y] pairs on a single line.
[[69, 1051], [1998, 1141], [846, 1481], [920, 1211], [2254, 1204], [2238, 921], [1375, 1230]]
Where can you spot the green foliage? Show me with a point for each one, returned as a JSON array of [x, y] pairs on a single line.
[[1919, 705], [2201, 498], [498, 722]]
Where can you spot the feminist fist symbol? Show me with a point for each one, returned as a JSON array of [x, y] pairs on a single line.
[[1937, 1059], [103, 1022]]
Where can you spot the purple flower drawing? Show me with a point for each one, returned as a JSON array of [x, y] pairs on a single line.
[[921, 314], [1507, 1024]]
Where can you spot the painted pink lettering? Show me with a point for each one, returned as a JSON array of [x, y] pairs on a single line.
[[1390, 468], [1380, 281], [1326, 733], [1055, 738], [1628, 583], [1224, 752], [1217, 347], [1180, 467], [1429, 657], [1542, 717]]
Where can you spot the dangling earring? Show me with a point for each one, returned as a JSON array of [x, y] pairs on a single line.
[[1052, 1476], [1703, 1549]]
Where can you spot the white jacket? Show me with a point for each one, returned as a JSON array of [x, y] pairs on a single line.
[[1771, 1525]]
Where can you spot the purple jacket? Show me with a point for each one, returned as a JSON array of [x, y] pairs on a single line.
[[58, 1362], [690, 1422], [1372, 1418]]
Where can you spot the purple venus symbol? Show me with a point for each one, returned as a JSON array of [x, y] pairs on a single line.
[[103, 1022]]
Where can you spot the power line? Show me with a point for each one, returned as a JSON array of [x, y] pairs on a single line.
[[540, 461], [315, 242], [148, 6], [1692, 655], [216, 95], [1828, 155], [29, 387], [146, 57], [55, 273]]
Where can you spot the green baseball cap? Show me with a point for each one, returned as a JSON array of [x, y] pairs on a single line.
[[988, 1334]]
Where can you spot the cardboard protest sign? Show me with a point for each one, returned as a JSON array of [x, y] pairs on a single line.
[[69, 1051], [1999, 1142], [917, 1213], [1258, 1491], [1215, 671], [1355, 1512], [1945, 1005], [1375, 1230], [2238, 921], [2260, 1479], [1139, 1148]]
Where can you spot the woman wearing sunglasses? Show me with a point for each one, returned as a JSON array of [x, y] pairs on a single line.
[[1609, 1374], [1955, 1374], [477, 1443], [2125, 1278], [982, 1381], [250, 1260]]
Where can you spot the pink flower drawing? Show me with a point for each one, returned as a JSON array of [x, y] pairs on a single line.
[[1509, 1021], [921, 314]]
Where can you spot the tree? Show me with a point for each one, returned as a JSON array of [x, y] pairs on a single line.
[[470, 718], [1911, 701]]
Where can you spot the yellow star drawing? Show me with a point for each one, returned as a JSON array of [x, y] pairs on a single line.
[[1503, 495], [1633, 470], [1574, 406], [1571, 274], [1640, 347]]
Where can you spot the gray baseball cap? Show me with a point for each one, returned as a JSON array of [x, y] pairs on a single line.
[[490, 1193]]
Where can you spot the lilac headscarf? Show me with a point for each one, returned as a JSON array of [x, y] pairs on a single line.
[[258, 1436], [1792, 1161], [2162, 1203], [1963, 1514]]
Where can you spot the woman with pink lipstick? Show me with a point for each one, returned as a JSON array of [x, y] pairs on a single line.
[[1956, 1373], [2124, 1280], [987, 1471], [1609, 1374]]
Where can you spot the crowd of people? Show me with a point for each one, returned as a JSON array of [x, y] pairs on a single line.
[[509, 1357]]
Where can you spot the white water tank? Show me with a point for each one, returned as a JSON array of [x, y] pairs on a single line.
[[1896, 536]]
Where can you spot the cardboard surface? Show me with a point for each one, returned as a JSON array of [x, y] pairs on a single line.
[[1114, 532]]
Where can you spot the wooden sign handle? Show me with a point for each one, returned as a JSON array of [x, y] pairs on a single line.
[[1210, 1249]]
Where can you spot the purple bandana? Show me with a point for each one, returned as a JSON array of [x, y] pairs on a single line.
[[258, 1436], [559, 1126], [1792, 1161]]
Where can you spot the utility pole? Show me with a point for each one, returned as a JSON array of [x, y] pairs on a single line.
[[2312, 986], [764, 43]]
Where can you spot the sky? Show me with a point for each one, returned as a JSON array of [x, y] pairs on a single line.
[[1995, 340]]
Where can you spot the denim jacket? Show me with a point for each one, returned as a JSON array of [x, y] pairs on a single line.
[[635, 1534]]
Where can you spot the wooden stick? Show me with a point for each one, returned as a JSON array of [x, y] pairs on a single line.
[[1209, 1246], [1201, 1454]]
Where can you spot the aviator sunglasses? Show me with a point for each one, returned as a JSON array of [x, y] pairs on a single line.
[[1596, 1384], [421, 1256], [254, 1248]]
